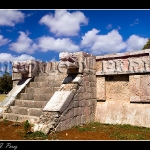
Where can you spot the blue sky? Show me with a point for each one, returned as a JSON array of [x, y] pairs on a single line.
[[43, 34]]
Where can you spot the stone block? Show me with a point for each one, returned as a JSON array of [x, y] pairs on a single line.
[[77, 80], [59, 101], [117, 88], [76, 104], [82, 103], [134, 88], [100, 88], [123, 63], [75, 111]]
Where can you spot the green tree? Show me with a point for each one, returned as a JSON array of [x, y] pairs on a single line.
[[147, 45], [6, 83]]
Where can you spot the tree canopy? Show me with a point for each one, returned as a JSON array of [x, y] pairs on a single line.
[[6, 83], [147, 45]]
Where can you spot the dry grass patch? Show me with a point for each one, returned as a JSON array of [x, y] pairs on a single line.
[[2, 96]]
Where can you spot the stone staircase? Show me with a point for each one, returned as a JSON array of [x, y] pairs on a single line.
[[30, 102]]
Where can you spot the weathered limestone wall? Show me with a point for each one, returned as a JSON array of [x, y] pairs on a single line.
[[35, 69], [81, 109], [16, 78], [74, 101], [117, 88], [120, 112], [113, 88], [25, 69], [124, 63], [123, 91], [110, 89], [140, 88]]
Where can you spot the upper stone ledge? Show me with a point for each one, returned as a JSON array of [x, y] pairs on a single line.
[[129, 54]]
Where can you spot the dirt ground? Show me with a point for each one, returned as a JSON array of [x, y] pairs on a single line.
[[16, 131]]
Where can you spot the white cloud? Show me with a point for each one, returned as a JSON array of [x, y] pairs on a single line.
[[10, 17], [64, 23], [89, 38], [23, 44], [136, 21], [10, 57], [109, 26], [119, 28], [9, 30], [58, 45], [53, 59], [3, 40], [100, 44], [29, 15], [135, 42]]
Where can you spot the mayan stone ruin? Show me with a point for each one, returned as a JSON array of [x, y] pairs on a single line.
[[80, 88]]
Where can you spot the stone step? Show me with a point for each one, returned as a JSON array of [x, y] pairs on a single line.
[[37, 96], [30, 103], [26, 111], [19, 110], [41, 84], [51, 77], [44, 78], [45, 84], [35, 112], [20, 118], [50, 73], [47, 90], [43, 74], [26, 96], [42, 97]]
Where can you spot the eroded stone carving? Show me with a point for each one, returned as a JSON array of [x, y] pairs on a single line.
[[68, 60], [78, 62], [140, 64], [41, 66], [130, 64], [108, 66], [27, 68], [20, 67], [122, 65]]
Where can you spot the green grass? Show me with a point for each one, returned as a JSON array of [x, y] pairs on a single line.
[[2, 96], [38, 135], [119, 132]]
